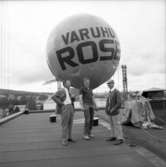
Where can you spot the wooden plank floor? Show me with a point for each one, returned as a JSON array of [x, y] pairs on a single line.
[[31, 140]]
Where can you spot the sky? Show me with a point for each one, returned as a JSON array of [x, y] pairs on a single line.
[[25, 27]]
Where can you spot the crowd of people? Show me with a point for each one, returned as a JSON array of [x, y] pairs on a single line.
[[65, 108]]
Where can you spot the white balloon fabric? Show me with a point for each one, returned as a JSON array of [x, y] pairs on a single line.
[[83, 46]]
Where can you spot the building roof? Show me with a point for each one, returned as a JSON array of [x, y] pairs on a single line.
[[153, 90]]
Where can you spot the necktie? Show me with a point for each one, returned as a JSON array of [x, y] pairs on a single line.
[[69, 93]]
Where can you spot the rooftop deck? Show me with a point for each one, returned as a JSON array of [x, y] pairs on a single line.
[[31, 140]]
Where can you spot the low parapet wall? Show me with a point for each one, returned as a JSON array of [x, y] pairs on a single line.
[[8, 118]]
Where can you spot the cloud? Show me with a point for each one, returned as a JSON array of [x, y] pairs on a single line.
[[140, 27], [27, 58], [146, 81], [146, 63]]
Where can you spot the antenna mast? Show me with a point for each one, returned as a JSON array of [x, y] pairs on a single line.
[[125, 84]]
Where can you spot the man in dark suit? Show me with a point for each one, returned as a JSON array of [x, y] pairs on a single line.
[[88, 105], [113, 105], [65, 108]]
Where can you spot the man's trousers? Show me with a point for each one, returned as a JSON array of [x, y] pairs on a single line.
[[116, 127], [88, 114], [67, 121]]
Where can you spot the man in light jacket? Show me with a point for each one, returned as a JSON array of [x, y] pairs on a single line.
[[65, 108], [113, 105]]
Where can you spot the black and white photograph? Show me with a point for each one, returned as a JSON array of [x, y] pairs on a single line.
[[82, 83]]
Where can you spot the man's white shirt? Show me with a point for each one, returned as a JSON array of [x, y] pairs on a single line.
[[113, 89], [68, 99]]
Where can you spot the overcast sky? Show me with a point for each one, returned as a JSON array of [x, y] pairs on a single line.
[[25, 27]]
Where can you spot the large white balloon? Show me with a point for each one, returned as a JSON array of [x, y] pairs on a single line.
[[83, 46]]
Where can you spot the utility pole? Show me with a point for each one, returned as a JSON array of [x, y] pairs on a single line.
[[125, 85]]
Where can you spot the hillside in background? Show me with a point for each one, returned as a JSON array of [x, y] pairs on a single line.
[[19, 92], [9, 98]]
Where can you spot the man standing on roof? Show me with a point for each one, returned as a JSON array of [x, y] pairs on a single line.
[[65, 108], [113, 105], [88, 105]]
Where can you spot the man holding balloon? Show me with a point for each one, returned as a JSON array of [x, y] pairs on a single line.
[[88, 105]]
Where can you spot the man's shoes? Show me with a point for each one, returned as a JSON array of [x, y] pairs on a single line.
[[71, 140], [119, 141], [111, 139], [91, 135], [64, 143], [86, 137], [132, 144]]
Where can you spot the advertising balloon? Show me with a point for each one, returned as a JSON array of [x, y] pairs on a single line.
[[83, 46]]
